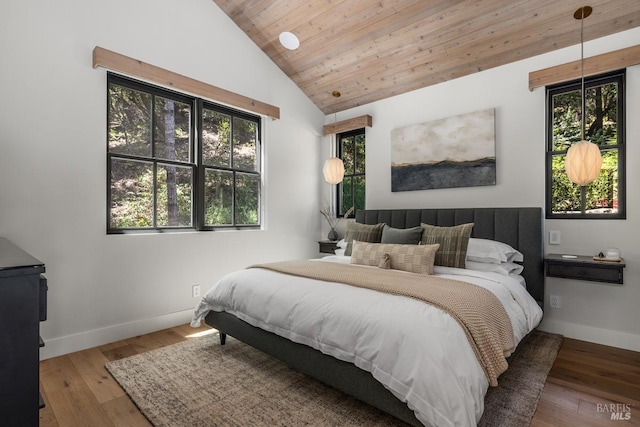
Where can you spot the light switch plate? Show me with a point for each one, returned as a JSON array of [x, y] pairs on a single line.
[[554, 237]]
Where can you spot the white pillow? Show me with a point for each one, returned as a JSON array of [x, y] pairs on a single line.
[[505, 268], [518, 278], [491, 251]]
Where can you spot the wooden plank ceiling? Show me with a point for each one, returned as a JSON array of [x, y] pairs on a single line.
[[370, 50]]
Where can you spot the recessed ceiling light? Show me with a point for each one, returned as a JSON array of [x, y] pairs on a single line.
[[289, 40]]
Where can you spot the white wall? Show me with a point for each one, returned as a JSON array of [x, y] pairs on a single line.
[[590, 311], [53, 166]]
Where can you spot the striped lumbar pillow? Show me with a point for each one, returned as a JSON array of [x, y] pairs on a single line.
[[453, 243]]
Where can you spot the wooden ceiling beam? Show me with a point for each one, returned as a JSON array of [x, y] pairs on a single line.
[[135, 68], [347, 125], [599, 64]]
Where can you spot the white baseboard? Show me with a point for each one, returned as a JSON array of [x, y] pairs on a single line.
[[608, 337], [81, 341]]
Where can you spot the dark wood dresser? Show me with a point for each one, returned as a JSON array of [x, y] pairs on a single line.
[[23, 304]]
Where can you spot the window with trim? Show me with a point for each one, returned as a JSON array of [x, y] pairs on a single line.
[[351, 191], [176, 162], [604, 118]]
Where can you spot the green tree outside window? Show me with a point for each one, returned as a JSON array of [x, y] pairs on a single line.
[[178, 162], [604, 126], [351, 191]]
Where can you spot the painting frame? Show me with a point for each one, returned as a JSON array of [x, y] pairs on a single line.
[[451, 152]]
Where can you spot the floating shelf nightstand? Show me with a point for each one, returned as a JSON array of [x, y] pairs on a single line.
[[584, 268], [327, 246]]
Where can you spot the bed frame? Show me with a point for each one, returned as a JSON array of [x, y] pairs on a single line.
[[519, 227]]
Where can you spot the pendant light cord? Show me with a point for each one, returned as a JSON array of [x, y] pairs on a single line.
[[334, 137]]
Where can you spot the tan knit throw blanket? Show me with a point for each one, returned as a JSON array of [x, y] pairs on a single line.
[[481, 315]]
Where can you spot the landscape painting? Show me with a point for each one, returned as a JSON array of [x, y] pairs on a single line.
[[452, 152]]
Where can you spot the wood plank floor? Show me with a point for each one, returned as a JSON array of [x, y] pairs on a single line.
[[587, 383]]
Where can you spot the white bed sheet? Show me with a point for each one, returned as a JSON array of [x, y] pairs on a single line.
[[432, 368]]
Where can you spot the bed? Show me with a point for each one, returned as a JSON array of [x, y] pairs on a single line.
[[521, 228]]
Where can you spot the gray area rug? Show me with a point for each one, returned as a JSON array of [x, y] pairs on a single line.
[[514, 401], [200, 383]]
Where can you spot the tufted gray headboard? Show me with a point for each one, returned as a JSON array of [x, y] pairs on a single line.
[[519, 227]]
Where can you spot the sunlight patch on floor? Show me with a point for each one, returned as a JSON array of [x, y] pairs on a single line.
[[203, 333]]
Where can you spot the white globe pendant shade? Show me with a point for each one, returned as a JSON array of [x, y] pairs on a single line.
[[583, 162], [333, 170]]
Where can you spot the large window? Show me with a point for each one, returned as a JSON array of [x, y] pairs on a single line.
[[179, 162], [604, 126], [351, 191]]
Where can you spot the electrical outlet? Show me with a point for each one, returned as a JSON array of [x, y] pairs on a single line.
[[195, 291], [554, 301], [554, 237]]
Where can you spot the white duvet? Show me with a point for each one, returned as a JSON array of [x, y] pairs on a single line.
[[415, 350]]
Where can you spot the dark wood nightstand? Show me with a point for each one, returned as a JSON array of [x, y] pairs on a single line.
[[584, 268], [327, 246]]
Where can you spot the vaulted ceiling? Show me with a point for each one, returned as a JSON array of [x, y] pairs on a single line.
[[370, 50]]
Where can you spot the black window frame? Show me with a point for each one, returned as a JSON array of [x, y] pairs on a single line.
[[195, 160], [233, 113], [619, 77], [340, 208]]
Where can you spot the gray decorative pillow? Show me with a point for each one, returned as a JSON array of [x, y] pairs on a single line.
[[362, 233], [453, 243], [402, 236], [411, 258]]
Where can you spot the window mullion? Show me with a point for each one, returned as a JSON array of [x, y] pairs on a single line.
[[155, 163], [155, 195], [198, 175], [234, 193]]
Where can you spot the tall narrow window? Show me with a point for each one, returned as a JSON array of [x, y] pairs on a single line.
[[231, 168], [162, 174], [351, 191], [604, 126]]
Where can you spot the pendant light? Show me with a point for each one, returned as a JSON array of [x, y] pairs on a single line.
[[583, 161], [333, 169]]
